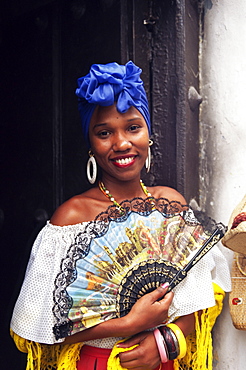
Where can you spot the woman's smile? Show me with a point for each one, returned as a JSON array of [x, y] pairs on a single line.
[[123, 161]]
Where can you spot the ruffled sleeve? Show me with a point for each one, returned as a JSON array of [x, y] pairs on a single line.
[[32, 316]]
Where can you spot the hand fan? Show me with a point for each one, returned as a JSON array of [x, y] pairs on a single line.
[[120, 257]]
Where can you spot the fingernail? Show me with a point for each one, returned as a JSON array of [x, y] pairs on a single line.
[[165, 285]]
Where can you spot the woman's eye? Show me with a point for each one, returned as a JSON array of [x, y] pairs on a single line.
[[103, 134], [134, 128]]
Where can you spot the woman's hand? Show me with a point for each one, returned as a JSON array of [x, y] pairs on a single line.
[[143, 357], [150, 311]]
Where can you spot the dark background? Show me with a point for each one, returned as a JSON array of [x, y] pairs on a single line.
[[45, 46]]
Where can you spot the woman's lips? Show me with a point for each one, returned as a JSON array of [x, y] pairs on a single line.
[[124, 162]]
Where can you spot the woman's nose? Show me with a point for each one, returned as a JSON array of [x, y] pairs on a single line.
[[121, 143]]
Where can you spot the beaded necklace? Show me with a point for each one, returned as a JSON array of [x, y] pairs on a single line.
[[106, 192]]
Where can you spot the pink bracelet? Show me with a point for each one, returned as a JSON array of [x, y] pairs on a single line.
[[160, 344]]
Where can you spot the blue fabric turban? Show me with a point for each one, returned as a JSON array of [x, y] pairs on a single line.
[[109, 83]]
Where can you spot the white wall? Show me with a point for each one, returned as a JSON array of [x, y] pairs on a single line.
[[223, 143]]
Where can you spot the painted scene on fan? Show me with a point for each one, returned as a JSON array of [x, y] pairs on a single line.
[[124, 247]]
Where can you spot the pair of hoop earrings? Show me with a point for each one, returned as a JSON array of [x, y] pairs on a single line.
[[92, 164]]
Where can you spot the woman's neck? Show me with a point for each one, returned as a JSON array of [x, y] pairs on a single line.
[[122, 190]]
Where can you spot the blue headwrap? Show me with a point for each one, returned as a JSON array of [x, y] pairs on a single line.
[[109, 83]]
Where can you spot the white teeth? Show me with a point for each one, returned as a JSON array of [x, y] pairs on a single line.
[[124, 160]]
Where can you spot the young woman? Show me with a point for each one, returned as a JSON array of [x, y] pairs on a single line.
[[57, 324]]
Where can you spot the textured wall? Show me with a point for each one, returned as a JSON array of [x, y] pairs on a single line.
[[223, 141]]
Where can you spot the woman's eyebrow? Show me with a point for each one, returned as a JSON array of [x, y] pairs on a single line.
[[134, 119], [99, 125]]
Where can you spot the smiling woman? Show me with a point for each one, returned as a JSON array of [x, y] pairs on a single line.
[[117, 231]]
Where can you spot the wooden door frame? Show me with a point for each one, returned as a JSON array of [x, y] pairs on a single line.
[[171, 76]]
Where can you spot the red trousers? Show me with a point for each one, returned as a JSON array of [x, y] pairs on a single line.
[[92, 358]]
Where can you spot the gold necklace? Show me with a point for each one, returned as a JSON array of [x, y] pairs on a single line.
[[106, 192]]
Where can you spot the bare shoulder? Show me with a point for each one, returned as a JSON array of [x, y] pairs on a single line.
[[166, 192], [80, 208]]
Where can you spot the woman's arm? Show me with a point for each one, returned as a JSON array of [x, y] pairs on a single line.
[[148, 312], [186, 323]]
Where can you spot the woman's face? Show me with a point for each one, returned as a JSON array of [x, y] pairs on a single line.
[[119, 141]]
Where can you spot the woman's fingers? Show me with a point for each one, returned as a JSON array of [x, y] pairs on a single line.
[[160, 292], [151, 310], [145, 356]]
